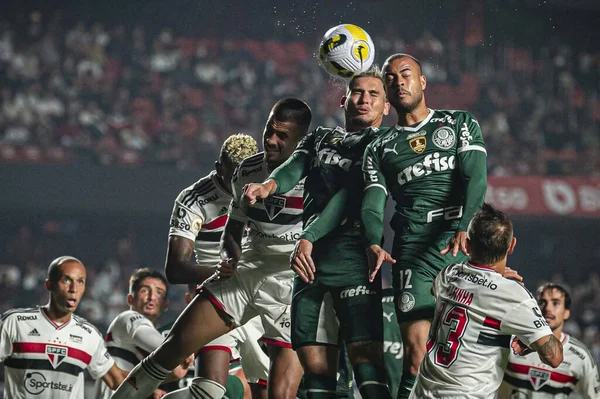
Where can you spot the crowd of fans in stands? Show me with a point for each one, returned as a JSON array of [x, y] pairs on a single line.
[[119, 95]]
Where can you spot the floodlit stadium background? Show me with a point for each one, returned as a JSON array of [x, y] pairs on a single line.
[[109, 109]]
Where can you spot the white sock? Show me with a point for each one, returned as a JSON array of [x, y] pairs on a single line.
[[203, 388], [183, 393], [141, 381]]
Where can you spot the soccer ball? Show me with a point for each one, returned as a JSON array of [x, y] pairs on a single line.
[[346, 50]]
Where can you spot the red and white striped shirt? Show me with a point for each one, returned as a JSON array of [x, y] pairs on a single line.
[[44, 360]]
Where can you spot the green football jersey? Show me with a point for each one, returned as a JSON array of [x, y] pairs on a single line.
[[393, 350], [329, 159], [435, 172]]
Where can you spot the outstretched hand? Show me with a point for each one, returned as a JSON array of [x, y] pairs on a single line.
[[457, 243], [258, 191], [376, 256]]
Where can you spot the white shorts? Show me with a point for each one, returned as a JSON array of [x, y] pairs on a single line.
[[244, 350], [255, 361], [256, 290]]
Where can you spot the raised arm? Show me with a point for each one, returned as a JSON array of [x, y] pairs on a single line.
[[471, 155]]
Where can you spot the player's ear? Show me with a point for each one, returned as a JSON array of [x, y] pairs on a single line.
[[423, 82], [129, 299], [567, 314], [513, 243], [165, 305], [48, 285], [386, 108], [343, 101]]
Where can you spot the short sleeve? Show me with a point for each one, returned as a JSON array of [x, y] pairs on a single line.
[[101, 361], [525, 320], [6, 339], [186, 218]]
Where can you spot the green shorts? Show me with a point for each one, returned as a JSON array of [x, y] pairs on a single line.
[[417, 264], [341, 258], [321, 314]]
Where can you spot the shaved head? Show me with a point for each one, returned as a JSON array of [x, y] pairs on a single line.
[[54, 268]]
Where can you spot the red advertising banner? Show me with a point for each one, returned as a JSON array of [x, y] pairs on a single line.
[[560, 196]]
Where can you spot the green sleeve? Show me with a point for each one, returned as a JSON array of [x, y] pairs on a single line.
[[473, 169], [374, 197], [288, 174], [330, 218]]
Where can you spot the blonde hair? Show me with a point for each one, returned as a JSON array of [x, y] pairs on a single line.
[[238, 147]]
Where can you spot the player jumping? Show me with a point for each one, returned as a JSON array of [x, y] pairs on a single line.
[[433, 163]]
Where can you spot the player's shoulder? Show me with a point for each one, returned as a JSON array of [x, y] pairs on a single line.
[[249, 167], [21, 314], [578, 348], [201, 187], [88, 327], [381, 135], [129, 316]]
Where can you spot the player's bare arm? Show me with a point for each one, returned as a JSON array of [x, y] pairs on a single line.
[[231, 248], [257, 191], [114, 377], [179, 267], [549, 349]]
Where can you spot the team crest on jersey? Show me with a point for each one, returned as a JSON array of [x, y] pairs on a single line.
[[56, 354], [538, 378], [274, 205], [443, 137], [406, 302], [335, 140], [418, 144]]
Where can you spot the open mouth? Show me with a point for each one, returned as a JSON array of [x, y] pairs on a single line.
[[71, 302]]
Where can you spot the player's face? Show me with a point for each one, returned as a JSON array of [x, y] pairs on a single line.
[[225, 168], [405, 84], [365, 103], [151, 298], [280, 139], [552, 305], [69, 289]]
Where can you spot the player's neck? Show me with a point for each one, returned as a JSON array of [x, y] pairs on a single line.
[[413, 117], [56, 315], [498, 267], [558, 332]]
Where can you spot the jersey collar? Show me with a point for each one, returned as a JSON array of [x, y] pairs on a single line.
[[419, 126], [52, 322]]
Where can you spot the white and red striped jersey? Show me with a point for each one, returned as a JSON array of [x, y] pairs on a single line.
[[274, 224], [527, 377], [200, 214], [44, 360], [130, 337], [477, 311]]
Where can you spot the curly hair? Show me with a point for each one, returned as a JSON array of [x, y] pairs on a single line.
[[238, 147]]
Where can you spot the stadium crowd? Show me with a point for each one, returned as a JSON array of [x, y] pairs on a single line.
[[121, 95]]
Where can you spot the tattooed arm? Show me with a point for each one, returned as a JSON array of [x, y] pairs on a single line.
[[549, 349]]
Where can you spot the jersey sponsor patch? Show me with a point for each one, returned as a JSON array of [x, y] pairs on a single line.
[[35, 383], [443, 137], [418, 144]]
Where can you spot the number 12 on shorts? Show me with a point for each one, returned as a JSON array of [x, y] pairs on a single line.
[[405, 276]]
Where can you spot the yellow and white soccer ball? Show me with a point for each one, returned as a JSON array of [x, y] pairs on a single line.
[[346, 50]]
